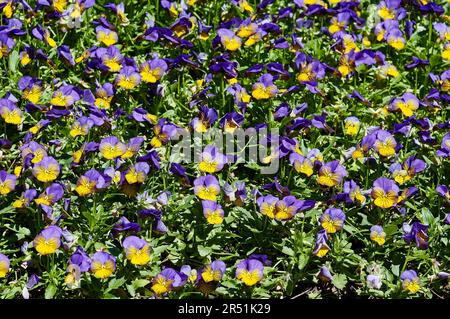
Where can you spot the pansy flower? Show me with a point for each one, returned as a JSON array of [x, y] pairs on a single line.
[[119, 10], [395, 39], [165, 281], [287, 207], [309, 70], [33, 149], [417, 232], [204, 120], [10, 113], [25, 198], [104, 95], [81, 126], [39, 126], [153, 70], [243, 5], [141, 115], [445, 54], [332, 220], [81, 259], [111, 148], [128, 78], [387, 70], [247, 28], [374, 281], [207, 187], [406, 171], [391, 9], [65, 96], [103, 264], [250, 271], [235, 192], [73, 276], [4, 265], [164, 131], [301, 164], [132, 147], [213, 271], [231, 121], [137, 250], [351, 125], [106, 36], [443, 30], [442, 80], [407, 193], [89, 182], [267, 205], [241, 96], [324, 274], [171, 7], [363, 147], [265, 88], [339, 22], [377, 235], [44, 35], [255, 37], [407, 104], [110, 58], [137, 173], [211, 160], [331, 174], [52, 194], [7, 182], [444, 151], [354, 193], [78, 155], [229, 40], [31, 89], [410, 281], [385, 144], [48, 240], [213, 212], [65, 55], [125, 225], [46, 170], [385, 192], [321, 247], [283, 209]]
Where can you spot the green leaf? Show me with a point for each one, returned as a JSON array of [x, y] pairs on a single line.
[[204, 251], [427, 217], [395, 270], [303, 261], [288, 251], [139, 283], [22, 233], [116, 283], [50, 291], [131, 290], [339, 281], [13, 61]]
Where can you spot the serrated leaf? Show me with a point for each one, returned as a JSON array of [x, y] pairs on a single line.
[[339, 281]]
